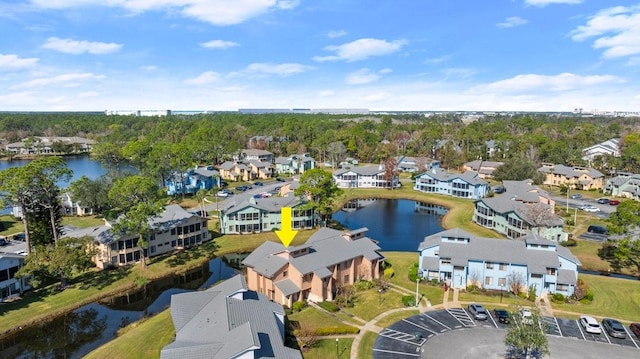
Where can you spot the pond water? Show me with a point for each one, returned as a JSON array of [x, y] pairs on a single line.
[[76, 334], [397, 224]]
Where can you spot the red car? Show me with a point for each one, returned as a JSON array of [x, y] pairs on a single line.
[[614, 202], [635, 328]]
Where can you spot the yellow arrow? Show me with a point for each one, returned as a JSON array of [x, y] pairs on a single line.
[[286, 234]]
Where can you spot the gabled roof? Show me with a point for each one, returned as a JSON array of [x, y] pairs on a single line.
[[362, 171], [536, 214], [269, 204], [256, 152], [570, 172], [325, 248], [497, 250], [227, 321], [441, 175]]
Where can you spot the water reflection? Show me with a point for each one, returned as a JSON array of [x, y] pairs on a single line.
[[77, 333], [397, 224]]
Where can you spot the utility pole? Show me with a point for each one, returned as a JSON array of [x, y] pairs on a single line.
[[417, 283]]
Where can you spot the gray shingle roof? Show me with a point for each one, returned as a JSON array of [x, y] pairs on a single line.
[[269, 204], [225, 321], [571, 172], [443, 176], [326, 248], [496, 250], [536, 214], [287, 287], [362, 171], [566, 276]]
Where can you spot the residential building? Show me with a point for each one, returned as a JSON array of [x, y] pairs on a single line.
[[227, 321], [173, 229], [71, 207], [462, 185], [245, 171], [256, 155], [607, 148], [483, 168], [313, 271], [10, 285], [515, 218], [195, 179], [582, 178], [416, 164], [294, 164], [264, 215], [364, 177], [46, 145], [461, 259], [527, 192], [623, 185]]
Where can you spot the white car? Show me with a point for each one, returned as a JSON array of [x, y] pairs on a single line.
[[590, 325], [591, 209]]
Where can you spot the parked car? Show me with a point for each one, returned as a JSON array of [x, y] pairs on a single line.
[[477, 311], [3, 242], [635, 329], [280, 179], [603, 200], [259, 184], [19, 237], [614, 328], [576, 196], [242, 188], [502, 315], [590, 325], [527, 317], [589, 208], [597, 229], [614, 202], [224, 193]]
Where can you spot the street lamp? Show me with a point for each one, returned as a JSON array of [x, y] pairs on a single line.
[[337, 353], [501, 289]]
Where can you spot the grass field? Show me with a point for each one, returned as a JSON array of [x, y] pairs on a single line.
[[314, 319], [395, 317], [330, 348], [401, 262], [365, 349]]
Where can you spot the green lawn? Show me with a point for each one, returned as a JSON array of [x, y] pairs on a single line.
[[395, 317], [365, 349], [401, 262], [370, 303], [314, 319], [139, 340], [613, 297], [82, 222], [327, 348]]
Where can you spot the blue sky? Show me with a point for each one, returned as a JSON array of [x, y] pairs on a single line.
[[495, 55]]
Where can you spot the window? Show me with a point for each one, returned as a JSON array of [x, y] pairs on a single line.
[[445, 260], [503, 266], [307, 277], [488, 280], [551, 271], [153, 249], [502, 282], [285, 274], [489, 265], [345, 279], [173, 231]]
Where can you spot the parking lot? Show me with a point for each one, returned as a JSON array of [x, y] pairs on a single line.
[[407, 338]]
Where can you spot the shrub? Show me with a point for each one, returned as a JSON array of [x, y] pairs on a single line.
[[298, 306], [569, 243], [388, 272], [413, 272], [531, 295], [408, 300], [569, 222], [329, 306], [344, 329], [558, 298], [362, 285]]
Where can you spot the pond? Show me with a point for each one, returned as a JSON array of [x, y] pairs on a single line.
[[77, 333], [397, 224]]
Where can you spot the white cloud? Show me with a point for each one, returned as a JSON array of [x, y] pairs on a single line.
[[76, 47], [204, 78], [336, 33], [437, 60], [361, 49], [458, 72], [218, 12], [219, 44], [361, 77], [542, 3], [555, 83], [66, 80], [286, 69], [512, 21], [13, 62], [616, 30], [88, 94], [149, 67]]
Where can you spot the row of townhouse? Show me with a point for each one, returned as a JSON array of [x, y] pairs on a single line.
[[521, 210], [582, 178], [173, 229], [254, 164], [484, 169], [315, 270], [461, 185], [193, 180], [45, 145], [264, 215], [625, 185], [461, 259], [365, 177]]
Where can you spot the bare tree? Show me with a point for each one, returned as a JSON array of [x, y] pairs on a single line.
[[516, 281], [390, 171]]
